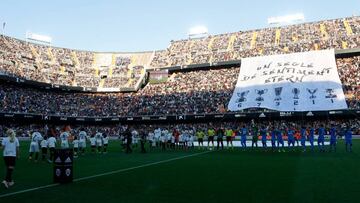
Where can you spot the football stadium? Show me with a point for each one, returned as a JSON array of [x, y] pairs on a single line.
[[270, 113]]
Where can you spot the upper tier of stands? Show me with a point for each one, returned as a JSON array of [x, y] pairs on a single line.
[[338, 34], [114, 71], [60, 66]]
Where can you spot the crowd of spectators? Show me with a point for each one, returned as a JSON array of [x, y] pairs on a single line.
[[349, 73], [184, 93], [191, 92], [68, 67], [59, 66], [338, 34]]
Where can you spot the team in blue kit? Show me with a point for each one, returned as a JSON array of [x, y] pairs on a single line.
[[306, 134]]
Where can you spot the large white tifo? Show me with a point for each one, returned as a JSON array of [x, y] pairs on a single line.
[[306, 81]]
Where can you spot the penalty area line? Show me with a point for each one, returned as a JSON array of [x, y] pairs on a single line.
[[105, 174]]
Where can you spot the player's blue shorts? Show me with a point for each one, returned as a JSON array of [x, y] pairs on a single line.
[[320, 140], [348, 142], [332, 142]]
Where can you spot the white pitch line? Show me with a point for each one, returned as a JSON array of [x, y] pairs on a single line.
[[104, 174]]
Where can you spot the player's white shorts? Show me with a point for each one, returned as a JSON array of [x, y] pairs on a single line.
[[64, 145], [82, 144], [34, 147]]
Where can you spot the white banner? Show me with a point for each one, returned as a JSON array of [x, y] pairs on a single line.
[[307, 81]]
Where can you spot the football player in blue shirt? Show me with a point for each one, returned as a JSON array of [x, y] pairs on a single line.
[[332, 138], [321, 138], [303, 137], [273, 139], [291, 139], [244, 133], [263, 134], [348, 139], [311, 138], [280, 140]]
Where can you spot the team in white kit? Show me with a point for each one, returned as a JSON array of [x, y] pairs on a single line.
[[98, 142]]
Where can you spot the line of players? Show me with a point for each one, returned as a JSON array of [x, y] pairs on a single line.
[[185, 139], [98, 143], [277, 135]]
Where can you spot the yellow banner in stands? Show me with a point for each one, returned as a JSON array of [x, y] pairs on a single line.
[[110, 72], [62, 69], [324, 34], [231, 42], [277, 36], [253, 40], [348, 28], [97, 72], [344, 44], [211, 43]]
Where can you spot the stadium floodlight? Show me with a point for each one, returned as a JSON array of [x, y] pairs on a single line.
[[39, 38], [287, 19], [198, 31]]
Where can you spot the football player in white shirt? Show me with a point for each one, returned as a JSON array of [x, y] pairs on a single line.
[[82, 141], [105, 142], [164, 134], [34, 145], [99, 141], [64, 136], [135, 138], [44, 147], [191, 141], [181, 140], [151, 138], [10, 146], [168, 137], [185, 138], [93, 143], [163, 139], [172, 141], [75, 143], [157, 133], [51, 144]]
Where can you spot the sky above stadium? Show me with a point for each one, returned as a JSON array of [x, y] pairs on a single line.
[[144, 25]]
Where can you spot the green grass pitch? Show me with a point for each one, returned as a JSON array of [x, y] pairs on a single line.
[[217, 176]]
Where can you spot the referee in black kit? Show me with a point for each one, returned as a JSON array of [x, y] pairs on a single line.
[[143, 140], [128, 136]]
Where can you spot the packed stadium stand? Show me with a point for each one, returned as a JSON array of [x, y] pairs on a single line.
[[67, 67], [119, 80]]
